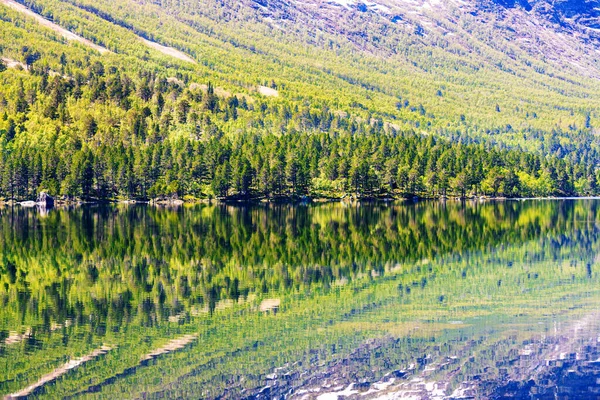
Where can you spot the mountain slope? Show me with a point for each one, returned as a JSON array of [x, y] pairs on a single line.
[[428, 48], [467, 73], [400, 50], [565, 31]]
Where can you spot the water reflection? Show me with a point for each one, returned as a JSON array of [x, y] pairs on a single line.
[[277, 295]]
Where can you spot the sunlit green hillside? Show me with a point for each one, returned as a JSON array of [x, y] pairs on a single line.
[[216, 99]]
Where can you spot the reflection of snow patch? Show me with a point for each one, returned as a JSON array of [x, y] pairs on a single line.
[[526, 352], [383, 385], [336, 395], [269, 305], [58, 372], [173, 345]]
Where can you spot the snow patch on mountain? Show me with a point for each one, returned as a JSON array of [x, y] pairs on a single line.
[[344, 3], [565, 32]]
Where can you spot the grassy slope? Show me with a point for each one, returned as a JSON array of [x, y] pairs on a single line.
[[470, 73]]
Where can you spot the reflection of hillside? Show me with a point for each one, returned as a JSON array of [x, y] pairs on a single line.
[[464, 308], [57, 373], [562, 362], [169, 261], [563, 365]]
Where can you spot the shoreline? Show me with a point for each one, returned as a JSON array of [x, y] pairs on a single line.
[[283, 200]]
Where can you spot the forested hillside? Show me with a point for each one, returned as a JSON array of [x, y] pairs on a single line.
[[139, 100]]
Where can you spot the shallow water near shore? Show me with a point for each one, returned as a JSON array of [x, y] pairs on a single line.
[[425, 300]]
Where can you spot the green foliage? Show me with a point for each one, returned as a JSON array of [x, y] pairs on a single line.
[[137, 123], [97, 139]]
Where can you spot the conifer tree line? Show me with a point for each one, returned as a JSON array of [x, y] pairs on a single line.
[[104, 133]]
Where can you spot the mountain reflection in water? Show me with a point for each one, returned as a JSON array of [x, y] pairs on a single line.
[[429, 300]]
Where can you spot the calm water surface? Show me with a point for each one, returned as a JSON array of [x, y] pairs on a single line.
[[428, 300]]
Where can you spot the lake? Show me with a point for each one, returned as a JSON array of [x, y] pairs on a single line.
[[425, 300]]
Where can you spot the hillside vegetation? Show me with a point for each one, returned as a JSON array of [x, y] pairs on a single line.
[[240, 100]]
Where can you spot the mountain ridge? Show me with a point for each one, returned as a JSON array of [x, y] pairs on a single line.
[[290, 99], [558, 27]]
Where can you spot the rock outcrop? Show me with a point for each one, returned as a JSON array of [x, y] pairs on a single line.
[[45, 200], [566, 32]]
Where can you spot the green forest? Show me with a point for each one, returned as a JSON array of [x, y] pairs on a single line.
[[135, 123]]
